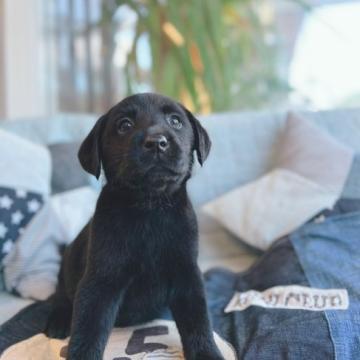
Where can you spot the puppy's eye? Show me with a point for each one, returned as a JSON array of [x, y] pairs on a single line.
[[124, 125], [175, 121]]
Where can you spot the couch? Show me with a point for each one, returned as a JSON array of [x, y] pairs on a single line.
[[243, 149]]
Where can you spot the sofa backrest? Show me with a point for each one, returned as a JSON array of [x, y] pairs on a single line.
[[243, 148]]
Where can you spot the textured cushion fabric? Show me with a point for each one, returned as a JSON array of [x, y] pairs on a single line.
[[352, 185], [158, 339], [67, 173], [311, 167], [32, 265], [74, 209], [308, 151], [24, 165], [242, 149], [220, 248], [245, 144], [24, 183], [51, 130], [321, 258], [17, 208], [265, 210]]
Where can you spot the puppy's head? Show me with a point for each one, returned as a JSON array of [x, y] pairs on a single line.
[[147, 141]]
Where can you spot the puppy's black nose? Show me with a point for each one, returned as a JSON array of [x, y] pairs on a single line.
[[156, 142]]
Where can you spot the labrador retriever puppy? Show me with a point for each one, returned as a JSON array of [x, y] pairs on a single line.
[[138, 254]]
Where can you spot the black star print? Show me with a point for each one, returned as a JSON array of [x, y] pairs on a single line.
[[17, 207]]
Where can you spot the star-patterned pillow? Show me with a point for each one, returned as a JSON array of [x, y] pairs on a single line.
[[25, 174], [17, 207]]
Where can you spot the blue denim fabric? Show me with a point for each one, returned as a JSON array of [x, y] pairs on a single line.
[[262, 333], [329, 253]]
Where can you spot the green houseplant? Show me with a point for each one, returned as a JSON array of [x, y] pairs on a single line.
[[213, 55]]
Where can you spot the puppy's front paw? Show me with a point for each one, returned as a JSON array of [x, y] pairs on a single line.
[[58, 325]]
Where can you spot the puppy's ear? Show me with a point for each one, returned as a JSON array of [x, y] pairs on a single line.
[[202, 142], [90, 153]]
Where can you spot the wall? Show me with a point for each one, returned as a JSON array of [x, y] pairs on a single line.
[[2, 67], [22, 83]]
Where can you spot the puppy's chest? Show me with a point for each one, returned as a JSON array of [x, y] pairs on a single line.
[[156, 237]]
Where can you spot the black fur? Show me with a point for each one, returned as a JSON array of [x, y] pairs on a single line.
[[138, 255]]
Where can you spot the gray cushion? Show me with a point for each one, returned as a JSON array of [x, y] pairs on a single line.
[[242, 142], [219, 248], [244, 146], [352, 185], [51, 130], [67, 173]]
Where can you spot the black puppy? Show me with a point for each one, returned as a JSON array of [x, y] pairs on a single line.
[[138, 255]]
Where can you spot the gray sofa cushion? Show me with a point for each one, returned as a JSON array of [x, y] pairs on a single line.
[[67, 173], [310, 165], [243, 143], [51, 130], [244, 146]]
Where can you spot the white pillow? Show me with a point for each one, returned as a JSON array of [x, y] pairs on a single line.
[[74, 208], [23, 164], [31, 267], [270, 207], [309, 177], [25, 171]]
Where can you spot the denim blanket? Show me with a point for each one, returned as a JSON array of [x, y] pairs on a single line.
[[324, 254]]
